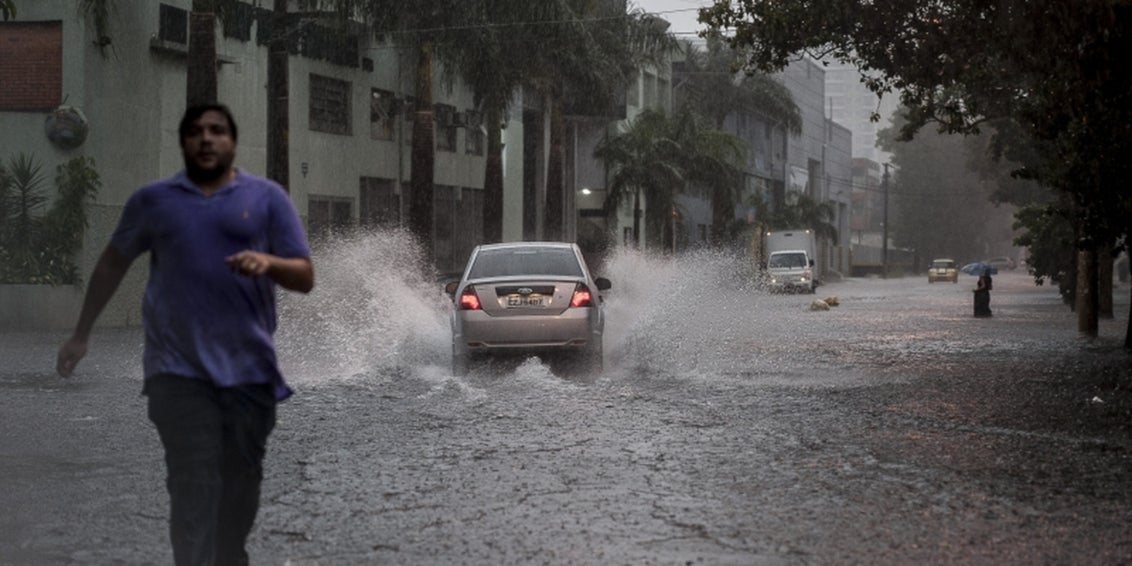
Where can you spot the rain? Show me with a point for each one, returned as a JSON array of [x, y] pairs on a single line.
[[864, 415]]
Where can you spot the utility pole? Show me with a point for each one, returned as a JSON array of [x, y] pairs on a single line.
[[884, 234]]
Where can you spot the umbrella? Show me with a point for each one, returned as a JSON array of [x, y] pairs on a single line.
[[979, 268]]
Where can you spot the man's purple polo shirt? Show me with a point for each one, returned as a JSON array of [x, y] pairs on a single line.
[[202, 319]]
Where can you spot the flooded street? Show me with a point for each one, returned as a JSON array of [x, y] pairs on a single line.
[[730, 426]]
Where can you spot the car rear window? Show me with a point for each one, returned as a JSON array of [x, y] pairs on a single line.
[[509, 262]]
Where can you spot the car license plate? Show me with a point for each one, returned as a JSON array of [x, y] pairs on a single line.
[[514, 301]]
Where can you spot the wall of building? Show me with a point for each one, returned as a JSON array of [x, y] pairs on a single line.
[[132, 92], [839, 180], [853, 105], [805, 80], [821, 156]]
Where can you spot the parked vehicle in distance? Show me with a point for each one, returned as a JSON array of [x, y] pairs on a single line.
[[528, 298], [943, 269], [790, 260], [1002, 263]]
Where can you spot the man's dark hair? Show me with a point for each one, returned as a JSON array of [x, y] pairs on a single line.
[[194, 112]]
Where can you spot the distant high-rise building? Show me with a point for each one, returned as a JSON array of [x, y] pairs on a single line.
[[852, 105]]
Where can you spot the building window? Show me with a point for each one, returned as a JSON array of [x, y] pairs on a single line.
[[173, 24], [329, 105], [475, 137], [31, 66], [378, 203], [445, 127], [328, 216], [382, 114], [238, 22]]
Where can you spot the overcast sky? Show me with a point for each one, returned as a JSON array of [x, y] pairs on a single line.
[[681, 13]]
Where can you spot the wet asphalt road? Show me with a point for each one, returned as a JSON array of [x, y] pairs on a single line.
[[730, 427]]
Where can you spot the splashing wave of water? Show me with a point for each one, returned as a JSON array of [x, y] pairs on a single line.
[[374, 311]]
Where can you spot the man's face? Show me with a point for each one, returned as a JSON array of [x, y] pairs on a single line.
[[208, 147]]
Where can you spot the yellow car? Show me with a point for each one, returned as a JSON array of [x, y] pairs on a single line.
[[943, 269]]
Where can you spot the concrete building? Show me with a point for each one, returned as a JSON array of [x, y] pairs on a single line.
[[764, 171], [820, 158], [853, 105], [350, 100]]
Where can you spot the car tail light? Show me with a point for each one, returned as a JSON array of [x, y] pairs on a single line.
[[469, 300], [582, 297]]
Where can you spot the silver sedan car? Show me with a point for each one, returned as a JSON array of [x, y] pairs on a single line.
[[528, 298]]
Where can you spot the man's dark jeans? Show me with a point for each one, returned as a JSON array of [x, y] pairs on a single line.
[[215, 439]]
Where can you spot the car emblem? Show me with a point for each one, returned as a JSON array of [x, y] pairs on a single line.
[[525, 290]]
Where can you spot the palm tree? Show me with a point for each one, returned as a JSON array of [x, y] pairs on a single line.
[[644, 160], [201, 76], [802, 211], [283, 27], [7, 9], [713, 159], [432, 29], [660, 157], [592, 51], [278, 96], [492, 66], [713, 88]]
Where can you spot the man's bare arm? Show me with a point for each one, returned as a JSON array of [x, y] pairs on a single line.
[[104, 280]]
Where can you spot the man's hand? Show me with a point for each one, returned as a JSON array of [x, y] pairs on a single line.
[[294, 273], [70, 353], [249, 262]]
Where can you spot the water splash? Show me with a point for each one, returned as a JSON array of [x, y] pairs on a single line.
[[693, 313], [375, 313], [373, 307]]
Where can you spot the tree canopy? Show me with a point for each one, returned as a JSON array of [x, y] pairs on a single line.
[[1058, 70]]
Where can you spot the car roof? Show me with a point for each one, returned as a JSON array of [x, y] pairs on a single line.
[[507, 245]]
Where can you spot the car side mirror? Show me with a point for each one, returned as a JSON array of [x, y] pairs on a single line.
[[811, 263], [450, 289], [603, 284]]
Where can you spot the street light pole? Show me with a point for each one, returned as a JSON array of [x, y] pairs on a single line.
[[884, 234]]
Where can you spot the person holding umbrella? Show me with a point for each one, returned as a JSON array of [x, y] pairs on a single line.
[[982, 294]]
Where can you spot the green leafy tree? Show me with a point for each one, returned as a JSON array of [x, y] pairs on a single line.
[[38, 242], [7, 9], [942, 205], [1058, 70], [1048, 235]]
